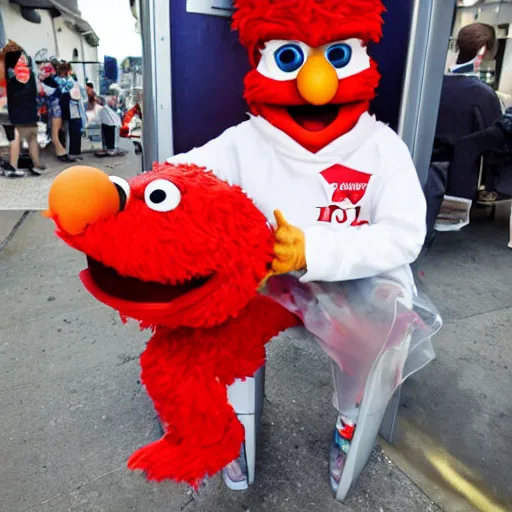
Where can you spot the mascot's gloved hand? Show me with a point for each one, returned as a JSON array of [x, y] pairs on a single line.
[[289, 248]]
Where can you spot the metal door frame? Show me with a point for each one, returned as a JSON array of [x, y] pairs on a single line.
[[428, 46], [157, 129]]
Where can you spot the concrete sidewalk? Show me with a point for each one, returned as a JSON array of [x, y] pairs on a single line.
[[31, 192], [73, 408]]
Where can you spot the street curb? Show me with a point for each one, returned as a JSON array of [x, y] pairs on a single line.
[[445, 499], [15, 228]]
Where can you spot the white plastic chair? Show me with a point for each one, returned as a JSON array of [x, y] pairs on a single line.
[[247, 398]]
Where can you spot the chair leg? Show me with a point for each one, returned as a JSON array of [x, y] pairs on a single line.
[[247, 399], [249, 423], [387, 429], [492, 215], [510, 239]]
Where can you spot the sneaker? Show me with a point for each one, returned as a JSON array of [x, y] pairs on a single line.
[[235, 473], [12, 172], [338, 451], [337, 459], [37, 171], [65, 158]]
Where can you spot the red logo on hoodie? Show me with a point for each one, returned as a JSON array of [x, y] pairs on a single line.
[[348, 184]]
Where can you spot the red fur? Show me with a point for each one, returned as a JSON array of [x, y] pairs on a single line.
[[203, 346], [315, 22]]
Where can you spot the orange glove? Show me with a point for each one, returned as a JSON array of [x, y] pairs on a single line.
[[289, 248]]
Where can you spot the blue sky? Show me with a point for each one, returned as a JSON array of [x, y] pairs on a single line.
[[112, 20]]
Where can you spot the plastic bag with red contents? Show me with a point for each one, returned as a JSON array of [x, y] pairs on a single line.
[[357, 322]]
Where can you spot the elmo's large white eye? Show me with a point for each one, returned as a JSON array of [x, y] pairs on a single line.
[[121, 184], [162, 195], [347, 57], [282, 60]]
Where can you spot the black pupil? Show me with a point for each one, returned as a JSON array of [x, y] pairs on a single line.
[[337, 54], [287, 56], [157, 196], [122, 196]]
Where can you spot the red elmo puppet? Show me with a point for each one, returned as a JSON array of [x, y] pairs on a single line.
[[183, 253]]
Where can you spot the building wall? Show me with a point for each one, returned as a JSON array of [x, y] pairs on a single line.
[[68, 41], [31, 36], [74, 47], [92, 70]]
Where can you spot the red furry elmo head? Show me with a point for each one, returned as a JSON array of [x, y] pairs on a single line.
[[313, 78], [175, 246]]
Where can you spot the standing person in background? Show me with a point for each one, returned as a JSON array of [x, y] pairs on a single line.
[[10, 133], [70, 97], [110, 123], [77, 119], [52, 81], [22, 107]]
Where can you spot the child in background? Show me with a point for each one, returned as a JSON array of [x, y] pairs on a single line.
[[110, 123]]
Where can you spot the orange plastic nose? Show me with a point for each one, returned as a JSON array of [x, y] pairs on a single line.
[[317, 80], [80, 196]]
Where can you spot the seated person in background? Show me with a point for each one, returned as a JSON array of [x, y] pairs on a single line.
[[467, 104]]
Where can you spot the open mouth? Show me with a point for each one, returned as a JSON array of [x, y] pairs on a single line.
[[314, 118], [108, 282]]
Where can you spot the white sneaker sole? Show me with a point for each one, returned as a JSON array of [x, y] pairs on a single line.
[[234, 486]]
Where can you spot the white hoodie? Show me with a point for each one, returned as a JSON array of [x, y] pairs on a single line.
[[358, 200]]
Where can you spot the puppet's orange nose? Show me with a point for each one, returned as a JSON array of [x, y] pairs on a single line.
[[80, 196], [317, 80]]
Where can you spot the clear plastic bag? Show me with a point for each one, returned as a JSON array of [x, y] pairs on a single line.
[[359, 323]]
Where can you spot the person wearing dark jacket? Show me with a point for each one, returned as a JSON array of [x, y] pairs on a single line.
[[22, 106], [467, 104], [495, 141]]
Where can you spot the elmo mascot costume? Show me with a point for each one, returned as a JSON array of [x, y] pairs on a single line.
[[352, 205], [183, 253]]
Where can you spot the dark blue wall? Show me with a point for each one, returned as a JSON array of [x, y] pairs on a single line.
[[208, 66]]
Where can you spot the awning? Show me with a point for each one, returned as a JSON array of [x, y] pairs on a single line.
[[69, 7]]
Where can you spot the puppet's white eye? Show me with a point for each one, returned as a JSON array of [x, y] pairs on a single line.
[[347, 57], [162, 195], [282, 60], [123, 189], [120, 183]]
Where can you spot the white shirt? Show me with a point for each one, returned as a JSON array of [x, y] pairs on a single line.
[[365, 176]]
